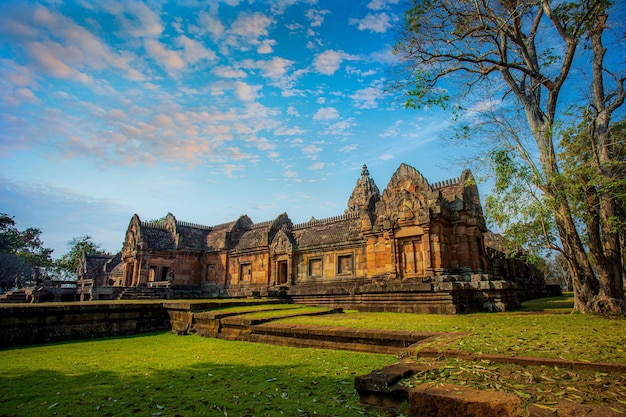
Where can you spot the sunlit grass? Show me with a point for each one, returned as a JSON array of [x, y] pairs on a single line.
[[567, 336], [562, 304], [168, 375], [277, 313]]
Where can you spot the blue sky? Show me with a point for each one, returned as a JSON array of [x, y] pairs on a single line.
[[207, 110]]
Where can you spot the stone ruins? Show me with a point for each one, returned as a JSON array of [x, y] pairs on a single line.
[[415, 247]]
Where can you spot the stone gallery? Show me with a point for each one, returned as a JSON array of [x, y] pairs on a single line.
[[415, 247]]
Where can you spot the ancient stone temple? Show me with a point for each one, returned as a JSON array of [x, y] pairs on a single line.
[[417, 247]]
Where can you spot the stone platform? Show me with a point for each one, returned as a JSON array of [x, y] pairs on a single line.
[[238, 325], [384, 388]]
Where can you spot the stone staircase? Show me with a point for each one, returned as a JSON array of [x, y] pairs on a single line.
[[17, 296], [142, 293]]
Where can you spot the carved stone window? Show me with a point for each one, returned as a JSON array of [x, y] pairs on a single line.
[[345, 265], [315, 267], [210, 270], [245, 272]]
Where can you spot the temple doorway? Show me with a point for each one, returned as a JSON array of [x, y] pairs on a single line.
[[282, 271]]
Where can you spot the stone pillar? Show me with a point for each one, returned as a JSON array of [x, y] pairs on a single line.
[[427, 252], [473, 251], [394, 254]]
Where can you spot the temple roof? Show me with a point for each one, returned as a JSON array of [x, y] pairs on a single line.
[[157, 238], [363, 192], [336, 230], [243, 235]]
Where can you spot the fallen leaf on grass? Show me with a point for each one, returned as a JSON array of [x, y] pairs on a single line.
[[546, 407]]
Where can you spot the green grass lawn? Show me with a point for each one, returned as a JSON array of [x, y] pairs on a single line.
[[168, 375], [540, 328]]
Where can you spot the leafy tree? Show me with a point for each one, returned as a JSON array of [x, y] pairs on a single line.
[[78, 245], [523, 52], [22, 255]]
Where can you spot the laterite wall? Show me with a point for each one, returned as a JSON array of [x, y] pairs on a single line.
[[44, 323]]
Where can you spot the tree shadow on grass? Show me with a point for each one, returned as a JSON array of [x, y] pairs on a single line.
[[200, 389]]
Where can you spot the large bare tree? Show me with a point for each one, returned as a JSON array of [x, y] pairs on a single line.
[[527, 50]]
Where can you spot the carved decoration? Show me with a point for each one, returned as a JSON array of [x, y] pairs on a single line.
[[282, 243]]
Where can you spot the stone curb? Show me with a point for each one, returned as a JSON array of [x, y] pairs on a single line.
[[522, 360]]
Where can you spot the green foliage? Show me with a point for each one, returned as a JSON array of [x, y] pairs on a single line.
[[23, 257], [169, 375], [587, 177], [70, 261], [518, 208]]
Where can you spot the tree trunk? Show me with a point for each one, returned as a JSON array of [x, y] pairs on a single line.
[[605, 249]]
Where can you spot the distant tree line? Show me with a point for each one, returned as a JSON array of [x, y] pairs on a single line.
[[25, 261]]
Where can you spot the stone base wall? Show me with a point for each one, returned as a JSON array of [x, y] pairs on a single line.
[[445, 294], [33, 324]]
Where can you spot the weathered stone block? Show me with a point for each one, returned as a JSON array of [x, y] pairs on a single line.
[[451, 400], [449, 286]]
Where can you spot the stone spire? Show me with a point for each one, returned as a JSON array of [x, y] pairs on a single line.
[[363, 192]]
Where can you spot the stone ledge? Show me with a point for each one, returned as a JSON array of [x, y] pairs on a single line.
[[381, 387], [521, 360], [452, 400]]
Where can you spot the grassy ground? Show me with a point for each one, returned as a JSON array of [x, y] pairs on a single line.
[[540, 385], [541, 328], [169, 375]]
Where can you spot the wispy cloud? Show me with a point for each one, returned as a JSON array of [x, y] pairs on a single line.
[[349, 148], [326, 113], [329, 61], [374, 22]]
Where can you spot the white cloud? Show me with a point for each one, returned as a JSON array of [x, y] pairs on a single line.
[[378, 23], [326, 113], [229, 169], [212, 25], [386, 156], [59, 46], [349, 148], [328, 62], [339, 128], [384, 56], [275, 68], [358, 71], [168, 58], [262, 144], [266, 46], [366, 98], [194, 50], [316, 16], [392, 131], [229, 72], [250, 27], [246, 92], [380, 4], [317, 166], [311, 150], [137, 20], [279, 6], [291, 131]]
